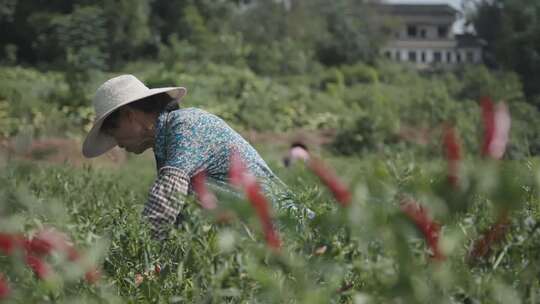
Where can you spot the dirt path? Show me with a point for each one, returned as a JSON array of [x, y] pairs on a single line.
[[63, 150]]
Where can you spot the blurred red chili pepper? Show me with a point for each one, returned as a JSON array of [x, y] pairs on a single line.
[[237, 170], [497, 121], [4, 288], [452, 149], [38, 266], [48, 240], [345, 287], [489, 123], [429, 228], [259, 202], [157, 268], [72, 254], [502, 131], [241, 178], [92, 276], [224, 217], [330, 179], [8, 243], [43, 243], [490, 237], [206, 198], [39, 246]]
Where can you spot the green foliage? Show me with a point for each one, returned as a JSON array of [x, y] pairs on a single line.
[[271, 37], [7, 9], [479, 81], [127, 29], [25, 213], [370, 107], [353, 32], [370, 251], [260, 65], [76, 40], [404, 101], [40, 103]]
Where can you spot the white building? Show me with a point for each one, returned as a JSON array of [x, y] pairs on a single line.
[[424, 37]]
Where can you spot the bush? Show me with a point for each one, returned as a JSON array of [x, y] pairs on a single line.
[[359, 73], [404, 100]]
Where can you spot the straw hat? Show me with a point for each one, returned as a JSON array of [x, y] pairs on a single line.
[[111, 95]]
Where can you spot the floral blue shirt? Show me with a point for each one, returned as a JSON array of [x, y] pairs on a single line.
[[194, 140]]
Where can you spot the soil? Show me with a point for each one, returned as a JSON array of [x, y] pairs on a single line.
[[68, 151]]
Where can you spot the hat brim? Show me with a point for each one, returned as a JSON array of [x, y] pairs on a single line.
[[96, 142]]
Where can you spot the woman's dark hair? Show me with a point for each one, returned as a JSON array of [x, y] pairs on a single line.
[[152, 104], [299, 144]]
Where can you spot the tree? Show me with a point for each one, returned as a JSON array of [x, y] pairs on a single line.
[[511, 29], [333, 32], [354, 32], [128, 29]]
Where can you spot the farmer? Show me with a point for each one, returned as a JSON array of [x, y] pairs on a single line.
[[297, 152], [185, 142]]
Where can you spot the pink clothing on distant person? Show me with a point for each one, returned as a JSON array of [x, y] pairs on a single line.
[[298, 153]]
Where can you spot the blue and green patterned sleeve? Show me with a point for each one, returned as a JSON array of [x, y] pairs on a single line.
[[188, 145]]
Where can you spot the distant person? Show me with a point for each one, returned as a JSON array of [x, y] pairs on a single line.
[[184, 141], [297, 151]]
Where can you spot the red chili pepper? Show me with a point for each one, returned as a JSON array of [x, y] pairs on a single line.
[[46, 241], [38, 266], [43, 243], [8, 243], [330, 179], [429, 228], [241, 178], [72, 254], [207, 199], [39, 246], [225, 217], [452, 150], [237, 170], [489, 123], [157, 268], [92, 276], [259, 202], [502, 131], [4, 288], [494, 234], [497, 121]]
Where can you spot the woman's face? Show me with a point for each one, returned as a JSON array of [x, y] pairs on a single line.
[[129, 132]]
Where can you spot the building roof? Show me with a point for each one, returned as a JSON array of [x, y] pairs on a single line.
[[469, 40], [419, 9]]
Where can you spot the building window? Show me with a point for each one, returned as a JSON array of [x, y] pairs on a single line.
[[411, 30], [458, 57], [470, 56], [423, 33], [448, 57], [442, 30], [423, 56], [388, 54], [437, 57], [412, 56]]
